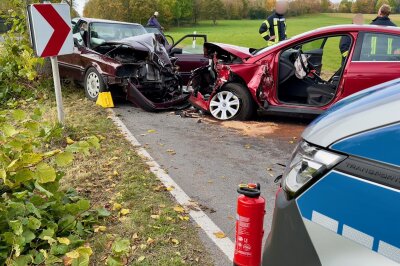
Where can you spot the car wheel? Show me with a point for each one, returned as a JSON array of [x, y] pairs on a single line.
[[232, 102], [94, 84]]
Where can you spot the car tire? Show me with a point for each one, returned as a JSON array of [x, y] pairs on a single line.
[[232, 102], [93, 84]]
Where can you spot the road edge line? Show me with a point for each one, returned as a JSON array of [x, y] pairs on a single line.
[[202, 220]]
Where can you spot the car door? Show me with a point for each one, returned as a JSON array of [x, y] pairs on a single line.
[[71, 65], [376, 59], [315, 51], [189, 51]]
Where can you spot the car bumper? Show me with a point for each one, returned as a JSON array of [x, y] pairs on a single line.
[[288, 242], [198, 101]]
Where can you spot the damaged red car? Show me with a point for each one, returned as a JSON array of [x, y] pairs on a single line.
[[303, 75], [128, 61]]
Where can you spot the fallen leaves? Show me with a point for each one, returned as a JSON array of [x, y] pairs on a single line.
[[69, 141], [100, 228], [183, 218], [179, 209], [219, 235], [124, 212], [155, 216], [175, 241], [171, 152], [116, 207]]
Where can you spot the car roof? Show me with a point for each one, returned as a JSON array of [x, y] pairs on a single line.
[[90, 20], [368, 109], [353, 27], [336, 29]]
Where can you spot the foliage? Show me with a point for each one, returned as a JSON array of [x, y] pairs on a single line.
[[120, 249], [392, 3], [17, 62], [39, 223], [363, 6], [213, 9], [345, 6]]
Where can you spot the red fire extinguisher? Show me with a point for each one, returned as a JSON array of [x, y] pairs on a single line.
[[249, 226]]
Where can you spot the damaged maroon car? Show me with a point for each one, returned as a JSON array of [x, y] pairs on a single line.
[[304, 75], [124, 59]]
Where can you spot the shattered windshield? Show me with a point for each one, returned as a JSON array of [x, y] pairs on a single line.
[[104, 32]]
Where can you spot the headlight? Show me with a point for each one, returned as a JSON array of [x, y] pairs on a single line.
[[307, 163]]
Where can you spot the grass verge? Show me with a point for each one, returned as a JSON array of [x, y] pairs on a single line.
[[115, 177]]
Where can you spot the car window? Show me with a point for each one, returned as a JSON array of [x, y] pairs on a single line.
[[313, 45], [379, 47], [102, 32], [191, 45], [79, 32]]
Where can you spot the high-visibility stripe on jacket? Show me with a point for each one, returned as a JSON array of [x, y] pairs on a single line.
[[274, 25]]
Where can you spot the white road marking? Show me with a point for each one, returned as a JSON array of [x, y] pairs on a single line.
[[202, 220]]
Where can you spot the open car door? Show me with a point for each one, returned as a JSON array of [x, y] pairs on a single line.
[[315, 51], [190, 54]]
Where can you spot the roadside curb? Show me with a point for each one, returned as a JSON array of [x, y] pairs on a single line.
[[202, 220]]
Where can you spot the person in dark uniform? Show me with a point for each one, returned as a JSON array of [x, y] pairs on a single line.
[[383, 17], [345, 41], [273, 30]]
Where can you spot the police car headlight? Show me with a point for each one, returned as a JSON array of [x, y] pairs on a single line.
[[308, 162]]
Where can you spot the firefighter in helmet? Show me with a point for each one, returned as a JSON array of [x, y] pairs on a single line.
[[273, 30]]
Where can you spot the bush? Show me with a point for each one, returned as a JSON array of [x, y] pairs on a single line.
[[39, 223], [257, 13], [17, 62]]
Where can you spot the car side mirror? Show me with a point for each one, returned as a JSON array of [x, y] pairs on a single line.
[[175, 51]]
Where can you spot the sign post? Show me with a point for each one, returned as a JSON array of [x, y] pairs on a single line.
[[57, 88], [51, 35]]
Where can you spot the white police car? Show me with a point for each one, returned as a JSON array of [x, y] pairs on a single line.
[[340, 199]]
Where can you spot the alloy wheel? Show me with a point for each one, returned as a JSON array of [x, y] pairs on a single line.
[[224, 105]]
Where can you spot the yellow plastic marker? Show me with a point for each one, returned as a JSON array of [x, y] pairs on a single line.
[[105, 100]]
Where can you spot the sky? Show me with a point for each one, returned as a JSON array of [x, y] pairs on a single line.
[[81, 3]]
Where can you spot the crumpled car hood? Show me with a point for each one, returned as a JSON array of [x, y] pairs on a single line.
[[238, 51], [146, 43], [143, 42]]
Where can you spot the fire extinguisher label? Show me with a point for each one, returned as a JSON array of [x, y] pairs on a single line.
[[243, 246], [243, 225]]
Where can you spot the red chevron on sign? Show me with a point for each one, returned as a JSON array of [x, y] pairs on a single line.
[[50, 32]]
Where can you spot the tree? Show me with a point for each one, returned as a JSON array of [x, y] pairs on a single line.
[[392, 3], [270, 5], [182, 9], [326, 5], [363, 6], [345, 6], [213, 9], [196, 8]]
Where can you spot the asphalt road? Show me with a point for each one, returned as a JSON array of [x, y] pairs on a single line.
[[208, 158]]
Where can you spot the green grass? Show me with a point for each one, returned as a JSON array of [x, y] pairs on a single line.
[[245, 32], [117, 174]]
